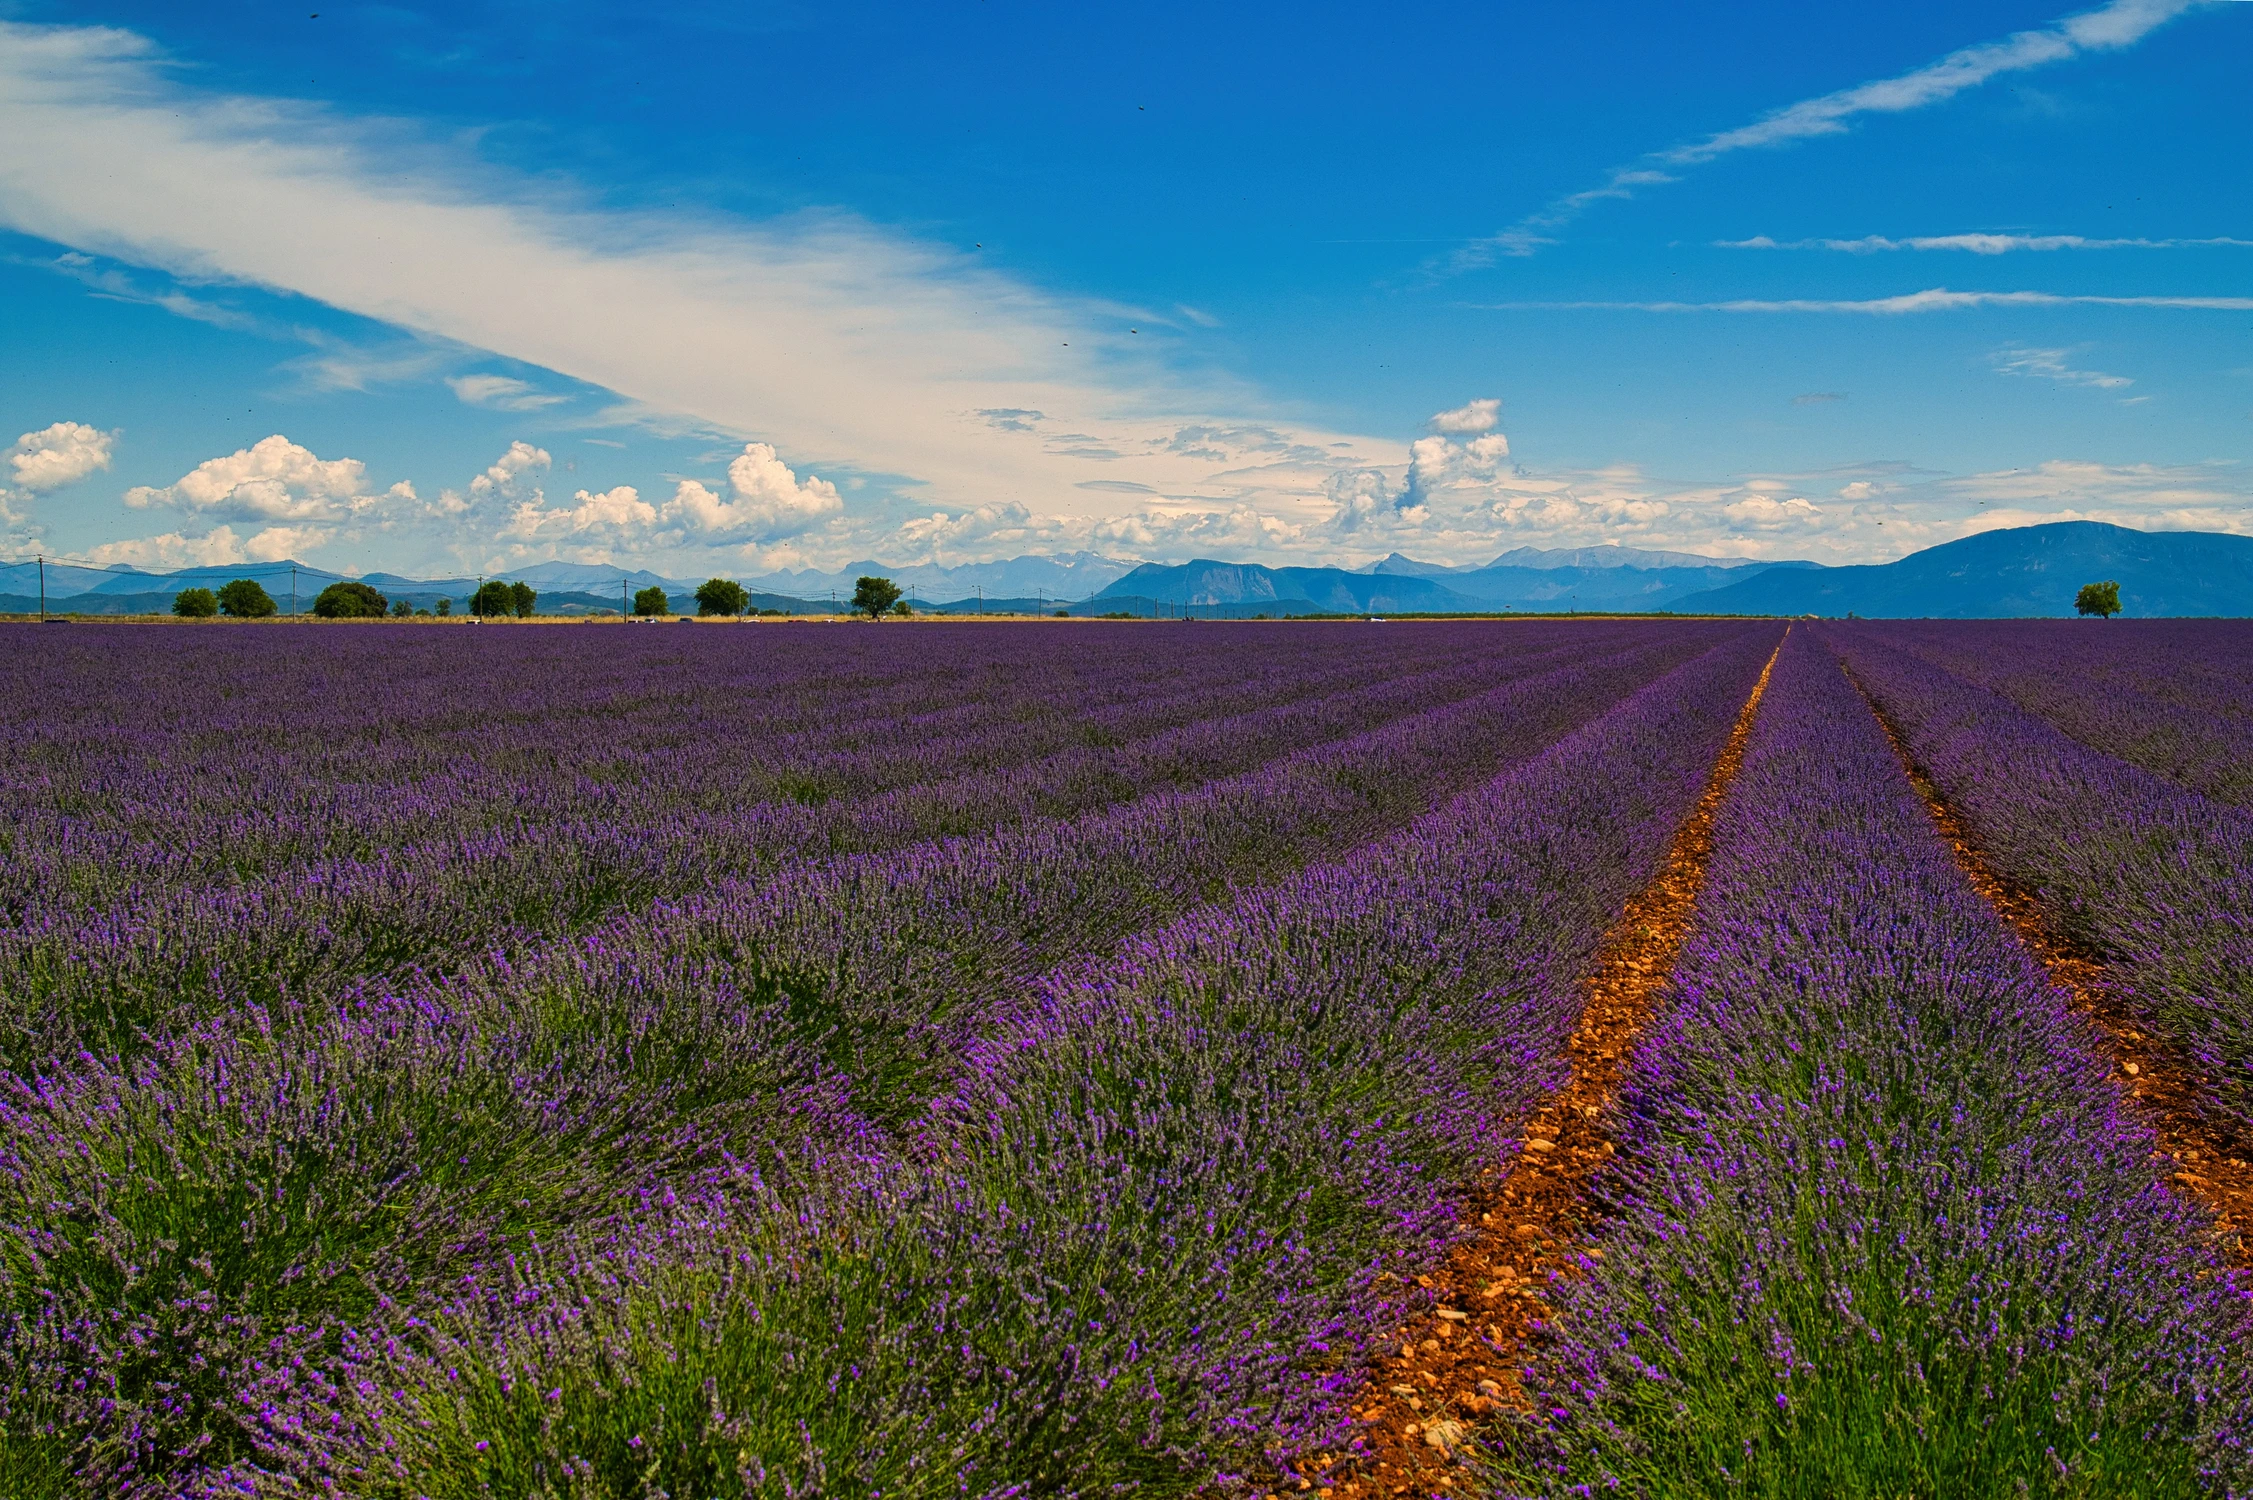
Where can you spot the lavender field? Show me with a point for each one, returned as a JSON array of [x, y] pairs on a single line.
[[1084, 1060]]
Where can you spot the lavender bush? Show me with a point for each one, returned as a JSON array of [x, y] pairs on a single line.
[[1172, 1188], [1884, 1228], [323, 1107], [117, 927], [2155, 879], [2172, 696]]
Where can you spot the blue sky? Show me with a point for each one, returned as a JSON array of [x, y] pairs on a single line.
[[739, 288]]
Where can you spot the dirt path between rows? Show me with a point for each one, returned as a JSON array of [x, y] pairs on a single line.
[[2161, 1087], [1446, 1367]]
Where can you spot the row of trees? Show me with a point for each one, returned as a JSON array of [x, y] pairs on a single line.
[[245, 599], [873, 597], [349, 599]]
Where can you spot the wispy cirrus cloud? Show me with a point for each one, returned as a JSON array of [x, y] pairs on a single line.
[[1937, 299], [500, 392], [2122, 23], [2051, 364], [1980, 244]]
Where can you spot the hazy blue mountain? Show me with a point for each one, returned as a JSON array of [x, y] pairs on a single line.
[[592, 578], [2018, 571], [1071, 575], [1605, 588], [63, 579], [85, 603], [1402, 566], [1613, 555], [2030, 570], [1206, 582]]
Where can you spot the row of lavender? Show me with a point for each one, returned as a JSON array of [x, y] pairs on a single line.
[[1884, 1229], [113, 928], [741, 1085], [1166, 1199], [2151, 876], [2172, 696]]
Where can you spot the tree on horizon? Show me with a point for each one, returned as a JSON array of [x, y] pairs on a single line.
[[874, 596], [722, 596]]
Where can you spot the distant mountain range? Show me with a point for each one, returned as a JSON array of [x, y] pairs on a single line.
[[1586, 578], [2027, 570], [1072, 575]]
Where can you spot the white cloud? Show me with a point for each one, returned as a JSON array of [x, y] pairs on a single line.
[[769, 502], [508, 482], [1239, 530], [1483, 415], [59, 455], [1977, 244], [615, 516], [272, 480], [500, 392], [212, 549], [2122, 23], [338, 365], [1937, 299], [2050, 364], [1863, 513], [1767, 513], [1437, 463], [1363, 497], [847, 347], [935, 536], [110, 284]]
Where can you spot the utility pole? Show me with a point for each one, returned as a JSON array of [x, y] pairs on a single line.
[[42, 588], [622, 615], [293, 590]]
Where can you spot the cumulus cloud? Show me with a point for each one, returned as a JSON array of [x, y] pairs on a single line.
[[272, 480], [936, 536], [1483, 415], [514, 475], [1768, 513], [1363, 497], [1463, 450], [1436, 463], [617, 515], [214, 548], [1237, 530], [767, 501], [58, 455]]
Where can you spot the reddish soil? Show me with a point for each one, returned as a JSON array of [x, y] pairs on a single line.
[[1451, 1364], [2162, 1087]]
